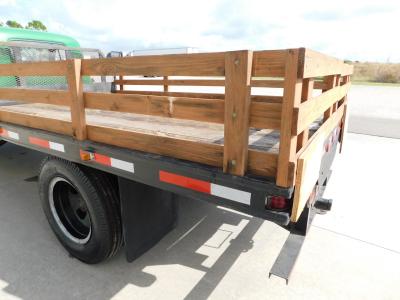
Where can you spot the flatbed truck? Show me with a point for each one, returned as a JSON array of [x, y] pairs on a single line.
[[117, 157]]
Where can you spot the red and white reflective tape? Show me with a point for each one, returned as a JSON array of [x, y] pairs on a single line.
[[206, 187], [113, 162], [46, 144], [10, 134]]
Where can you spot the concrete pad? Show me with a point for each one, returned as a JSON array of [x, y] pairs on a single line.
[[374, 110], [216, 253]]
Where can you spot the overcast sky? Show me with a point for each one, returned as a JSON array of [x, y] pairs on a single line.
[[357, 30]]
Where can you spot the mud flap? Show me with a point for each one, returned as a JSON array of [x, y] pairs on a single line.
[[148, 214]]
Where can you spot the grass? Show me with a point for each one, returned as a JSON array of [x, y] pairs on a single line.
[[376, 73]]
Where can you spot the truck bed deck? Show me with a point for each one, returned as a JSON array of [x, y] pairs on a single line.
[[265, 140]]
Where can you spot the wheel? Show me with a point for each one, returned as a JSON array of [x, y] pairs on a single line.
[[2, 142], [82, 208]]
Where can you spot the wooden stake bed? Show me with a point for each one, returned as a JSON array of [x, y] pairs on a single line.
[[239, 131]]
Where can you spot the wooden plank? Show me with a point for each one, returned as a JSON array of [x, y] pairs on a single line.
[[346, 80], [265, 115], [262, 163], [28, 120], [262, 114], [331, 82], [36, 96], [309, 164], [267, 83], [206, 110], [306, 93], [75, 87], [165, 84], [312, 109], [269, 63], [54, 68], [174, 82], [273, 99], [176, 94], [121, 84], [291, 100], [238, 66], [210, 154], [198, 82], [197, 64], [320, 85], [317, 64]]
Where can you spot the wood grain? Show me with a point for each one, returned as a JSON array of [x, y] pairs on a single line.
[[36, 96], [291, 99], [54, 68], [198, 64], [238, 66], [75, 87]]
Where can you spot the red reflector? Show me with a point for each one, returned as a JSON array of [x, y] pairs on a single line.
[[187, 182], [102, 159], [39, 142], [277, 202]]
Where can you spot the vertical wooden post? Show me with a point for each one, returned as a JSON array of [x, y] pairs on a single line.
[[346, 79], [291, 99], [75, 86], [306, 93], [331, 82], [166, 89], [121, 86], [238, 65]]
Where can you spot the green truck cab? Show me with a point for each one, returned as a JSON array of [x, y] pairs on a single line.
[[23, 45]]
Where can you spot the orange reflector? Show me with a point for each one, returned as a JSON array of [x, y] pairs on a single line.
[[85, 155]]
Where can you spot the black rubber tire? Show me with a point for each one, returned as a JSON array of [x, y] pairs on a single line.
[[2, 142], [98, 191]]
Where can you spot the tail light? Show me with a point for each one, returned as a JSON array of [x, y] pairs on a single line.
[[277, 203]]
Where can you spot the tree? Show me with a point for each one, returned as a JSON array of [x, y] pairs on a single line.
[[37, 25], [13, 24]]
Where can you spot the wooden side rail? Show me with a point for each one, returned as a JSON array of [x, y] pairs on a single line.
[[297, 71], [313, 108]]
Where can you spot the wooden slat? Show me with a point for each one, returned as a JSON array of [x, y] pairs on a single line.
[[265, 115], [237, 111], [207, 110], [317, 64], [121, 84], [173, 82], [344, 119], [309, 164], [75, 87], [210, 154], [176, 94], [262, 163], [165, 84], [320, 85], [54, 68], [269, 63], [273, 99], [197, 82], [291, 99], [198, 64], [28, 120], [331, 82], [306, 93], [262, 115], [36, 96], [310, 110], [267, 83]]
